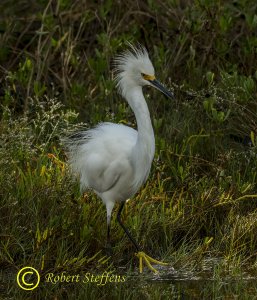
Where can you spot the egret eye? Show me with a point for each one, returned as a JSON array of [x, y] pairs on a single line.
[[148, 77]]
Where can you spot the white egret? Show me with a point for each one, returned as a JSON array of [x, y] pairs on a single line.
[[115, 160]]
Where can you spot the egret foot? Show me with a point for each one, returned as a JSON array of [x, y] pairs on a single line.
[[148, 260]]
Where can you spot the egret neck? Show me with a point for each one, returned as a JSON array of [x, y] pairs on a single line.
[[143, 151]]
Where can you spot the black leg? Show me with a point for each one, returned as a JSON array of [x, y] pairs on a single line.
[[108, 234], [108, 244], [125, 229]]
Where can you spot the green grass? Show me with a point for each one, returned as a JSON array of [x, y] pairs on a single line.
[[200, 201]]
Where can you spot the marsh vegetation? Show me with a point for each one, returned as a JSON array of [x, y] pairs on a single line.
[[199, 205]]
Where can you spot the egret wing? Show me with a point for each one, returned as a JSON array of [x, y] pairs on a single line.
[[101, 156]]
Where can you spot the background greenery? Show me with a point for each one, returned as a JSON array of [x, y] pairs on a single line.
[[200, 201]]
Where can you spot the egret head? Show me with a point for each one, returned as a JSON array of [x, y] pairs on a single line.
[[134, 68]]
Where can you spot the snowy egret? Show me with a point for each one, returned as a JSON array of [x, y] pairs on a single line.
[[115, 160]]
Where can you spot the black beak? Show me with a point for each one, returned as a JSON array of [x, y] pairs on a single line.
[[161, 88]]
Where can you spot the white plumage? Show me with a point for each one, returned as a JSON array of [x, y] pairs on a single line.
[[112, 159]]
